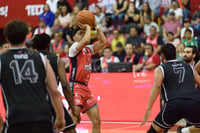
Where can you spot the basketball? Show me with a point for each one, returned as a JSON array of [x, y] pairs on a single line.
[[86, 17]]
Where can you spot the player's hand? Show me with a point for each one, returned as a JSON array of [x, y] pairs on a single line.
[[75, 117], [59, 124], [83, 26], [146, 117]]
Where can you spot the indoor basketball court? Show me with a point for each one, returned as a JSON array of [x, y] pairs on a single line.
[[117, 127]]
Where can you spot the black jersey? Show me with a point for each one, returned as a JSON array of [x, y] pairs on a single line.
[[178, 82], [53, 60], [22, 76]]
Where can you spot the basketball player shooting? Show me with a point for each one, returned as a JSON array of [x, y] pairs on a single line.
[[80, 68]]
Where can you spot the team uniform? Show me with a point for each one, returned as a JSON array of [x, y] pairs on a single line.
[[180, 96], [53, 60], [22, 77], [80, 69]]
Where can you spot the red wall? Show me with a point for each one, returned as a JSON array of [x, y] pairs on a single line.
[[120, 96]]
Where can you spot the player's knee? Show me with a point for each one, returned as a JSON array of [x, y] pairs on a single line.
[[152, 130], [96, 121]]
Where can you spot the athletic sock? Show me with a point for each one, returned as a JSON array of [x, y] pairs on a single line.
[[185, 130]]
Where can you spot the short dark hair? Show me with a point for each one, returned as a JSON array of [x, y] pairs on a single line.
[[149, 44], [16, 31], [41, 41], [73, 31], [188, 30], [169, 51], [171, 33], [194, 49]]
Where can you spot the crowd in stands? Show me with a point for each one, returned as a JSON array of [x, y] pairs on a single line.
[[135, 29]]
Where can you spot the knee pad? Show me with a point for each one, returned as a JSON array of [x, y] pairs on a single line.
[[151, 130]]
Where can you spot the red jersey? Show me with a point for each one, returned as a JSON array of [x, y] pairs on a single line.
[[154, 42], [80, 64]]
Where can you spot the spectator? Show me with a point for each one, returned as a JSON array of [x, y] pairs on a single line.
[[58, 43], [171, 39], [178, 11], [134, 38], [100, 18], [138, 4], [48, 15], [132, 15], [196, 17], [64, 3], [185, 6], [53, 5], [149, 61], [172, 25], [64, 17], [196, 24], [67, 31], [154, 39], [119, 8], [30, 34], [186, 26], [120, 52], [4, 47], [107, 58], [155, 6], [180, 52], [146, 11], [107, 8], [139, 52], [130, 56], [64, 56], [42, 28], [117, 38], [56, 26], [76, 10], [83, 4], [148, 24], [189, 40]]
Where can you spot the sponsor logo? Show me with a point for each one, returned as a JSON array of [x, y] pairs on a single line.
[[88, 67], [4, 11], [34, 10], [20, 56]]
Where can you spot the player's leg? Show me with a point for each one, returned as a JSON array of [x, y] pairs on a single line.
[[93, 114], [155, 129]]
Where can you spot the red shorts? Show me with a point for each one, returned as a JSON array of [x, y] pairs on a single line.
[[83, 97]]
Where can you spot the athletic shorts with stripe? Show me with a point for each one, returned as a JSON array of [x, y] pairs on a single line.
[[83, 96], [175, 110]]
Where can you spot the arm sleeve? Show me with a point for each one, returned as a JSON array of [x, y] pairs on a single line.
[[72, 50]]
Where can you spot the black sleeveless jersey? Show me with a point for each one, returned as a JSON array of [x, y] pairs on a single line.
[[22, 77], [178, 82], [53, 60]]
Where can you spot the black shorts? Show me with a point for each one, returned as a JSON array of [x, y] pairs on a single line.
[[69, 122], [175, 110], [29, 127]]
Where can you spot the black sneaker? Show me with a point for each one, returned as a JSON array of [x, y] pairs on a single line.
[[179, 129]]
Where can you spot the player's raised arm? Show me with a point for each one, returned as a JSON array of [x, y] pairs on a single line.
[[55, 97], [86, 38], [102, 40]]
